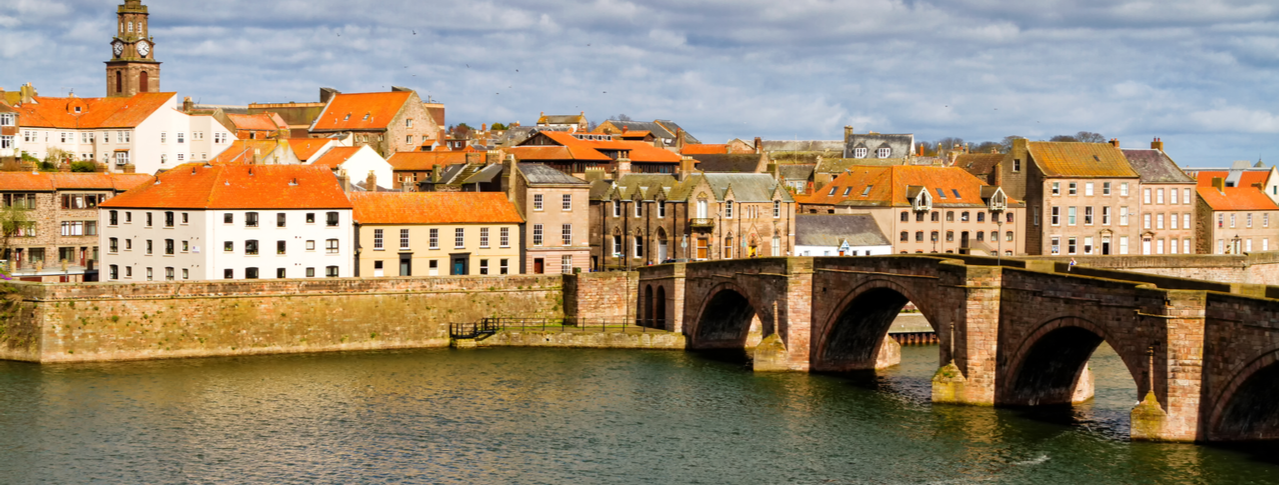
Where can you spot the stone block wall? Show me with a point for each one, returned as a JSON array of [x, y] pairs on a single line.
[[117, 321], [609, 295], [1255, 268]]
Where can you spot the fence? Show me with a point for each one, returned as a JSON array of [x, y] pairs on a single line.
[[489, 326]]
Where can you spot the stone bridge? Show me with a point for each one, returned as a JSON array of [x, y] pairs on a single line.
[[1013, 333]]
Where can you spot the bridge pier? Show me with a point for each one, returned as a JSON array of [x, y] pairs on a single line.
[[968, 335], [1170, 408]]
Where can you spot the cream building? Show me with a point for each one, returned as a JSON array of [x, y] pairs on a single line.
[[436, 234]]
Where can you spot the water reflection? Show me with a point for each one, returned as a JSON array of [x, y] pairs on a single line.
[[552, 416]]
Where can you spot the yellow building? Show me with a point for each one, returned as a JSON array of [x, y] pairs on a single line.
[[436, 234]]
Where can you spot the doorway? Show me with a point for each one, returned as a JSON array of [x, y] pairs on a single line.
[[1106, 245], [406, 264], [1146, 245], [539, 266], [459, 264], [702, 248]]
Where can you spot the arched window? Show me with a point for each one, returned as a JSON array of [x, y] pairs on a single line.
[[119, 82], [142, 82], [933, 236], [904, 237], [964, 216], [728, 248]]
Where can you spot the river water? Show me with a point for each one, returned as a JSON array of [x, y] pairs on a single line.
[[532, 416]]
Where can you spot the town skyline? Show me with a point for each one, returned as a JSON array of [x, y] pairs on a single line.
[[1201, 77]]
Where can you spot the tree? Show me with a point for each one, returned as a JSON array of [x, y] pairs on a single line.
[[13, 220], [55, 157], [986, 147], [1006, 145], [84, 167], [1063, 138], [498, 126], [622, 117], [1090, 137]]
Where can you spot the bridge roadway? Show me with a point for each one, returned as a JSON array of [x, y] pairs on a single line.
[[1203, 355]]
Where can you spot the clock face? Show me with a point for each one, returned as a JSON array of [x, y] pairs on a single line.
[[144, 48], [118, 48]]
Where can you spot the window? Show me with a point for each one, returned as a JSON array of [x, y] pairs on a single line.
[[566, 202], [168, 247], [1233, 221], [728, 209], [1186, 196], [1124, 189], [504, 267], [662, 209], [1124, 244], [964, 216], [1088, 215], [951, 216], [280, 273], [1088, 188], [128, 244], [251, 247], [280, 219], [1221, 247], [113, 218], [408, 139], [566, 264], [1054, 215], [250, 219], [484, 266], [933, 236], [777, 209], [566, 234], [311, 218], [377, 239], [935, 216], [919, 217], [941, 195], [484, 238], [459, 238], [1106, 215], [1106, 188], [181, 137], [919, 236], [186, 246], [904, 237], [639, 206], [1071, 216], [1186, 220], [311, 245], [404, 239], [1071, 188], [164, 137], [1248, 220], [148, 219], [1146, 196], [113, 272], [331, 219], [251, 273], [331, 246], [617, 246], [1160, 196], [281, 247], [904, 217], [1071, 245], [951, 236], [882, 153], [833, 190], [228, 218], [980, 235], [228, 246], [504, 237], [168, 219], [537, 234], [1055, 190], [638, 245], [859, 153], [846, 191], [537, 202], [1124, 216], [433, 239], [1146, 221], [1266, 219], [617, 208], [331, 271], [113, 245], [1173, 221], [1054, 245], [311, 272], [982, 216]]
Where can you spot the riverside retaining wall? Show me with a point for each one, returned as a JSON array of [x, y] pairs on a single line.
[[158, 320]]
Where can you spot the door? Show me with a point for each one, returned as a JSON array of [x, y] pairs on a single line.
[[459, 266], [662, 250], [377, 269], [1106, 245], [406, 265], [538, 266], [702, 248], [964, 239], [433, 268], [1146, 245]]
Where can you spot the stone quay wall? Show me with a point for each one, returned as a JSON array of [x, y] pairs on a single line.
[[158, 320], [1254, 268], [609, 295]]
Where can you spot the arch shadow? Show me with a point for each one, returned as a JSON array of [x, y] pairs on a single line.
[[1248, 409], [1046, 368], [853, 335], [725, 319]]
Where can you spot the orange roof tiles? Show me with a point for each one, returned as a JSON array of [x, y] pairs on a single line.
[[50, 181], [705, 149], [305, 148], [1236, 199], [577, 149], [1204, 178], [243, 151], [1084, 160], [195, 186], [258, 122], [889, 187], [419, 161], [94, 112], [335, 156], [361, 111], [433, 208]]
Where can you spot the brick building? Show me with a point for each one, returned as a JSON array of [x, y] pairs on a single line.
[[410, 168], [390, 122], [1234, 220], [555, 208], [63, 210], [927, 209], [578, 153], [1168, 202]]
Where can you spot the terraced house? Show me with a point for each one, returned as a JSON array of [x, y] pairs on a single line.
[[63, 212], [436, 234]]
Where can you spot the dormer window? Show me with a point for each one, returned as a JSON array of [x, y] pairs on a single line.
[[833, 190], [867, 190], [883, 153], [77, 110], [846, 191], [366, 117], [859, 153]]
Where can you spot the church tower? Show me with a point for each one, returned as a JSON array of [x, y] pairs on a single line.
[[133, 68]]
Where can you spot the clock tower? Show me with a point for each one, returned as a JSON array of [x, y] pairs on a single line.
[[133, 67]]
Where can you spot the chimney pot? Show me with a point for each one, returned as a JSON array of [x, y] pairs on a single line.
[[1156, 144], [1115, 142]]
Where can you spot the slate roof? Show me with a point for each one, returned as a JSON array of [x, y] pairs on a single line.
[[568, 147], [795, 172], [1236, 199], [834, 229], [747, 187], [361, 111], [628, 184], [1080, 160], [837, 165], [51, 181], [899, 145], [484, 174], [890, 187], [197, 186], [94, 113], [836, 146], [539, 174], [727, 163], [433, 208], [979, 164], [1155, 167]]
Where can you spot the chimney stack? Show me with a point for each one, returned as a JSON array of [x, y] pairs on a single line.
[[621, 167], [848, 131], [1217, 183], [1156, 144], [188, 104], [679, 139], [758, 146], [343, 181], [371, 182], [1115, 142]]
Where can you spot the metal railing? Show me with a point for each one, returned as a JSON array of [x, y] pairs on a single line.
[[564, 325]]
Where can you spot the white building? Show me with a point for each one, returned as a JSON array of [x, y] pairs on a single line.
[[840, 235], [358, 162], [146, 130], [202, 222]]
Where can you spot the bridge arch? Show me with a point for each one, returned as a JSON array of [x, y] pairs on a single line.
[[852, 335], [1247, 407], [1047, 367], [725, 318]]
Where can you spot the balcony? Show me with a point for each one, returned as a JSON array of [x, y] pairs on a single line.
[[702, 223]]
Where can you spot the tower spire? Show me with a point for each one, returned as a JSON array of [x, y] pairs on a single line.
[[132, 68]]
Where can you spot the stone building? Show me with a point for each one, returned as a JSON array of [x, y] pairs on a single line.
[[1234, 220], [664, 133], [925, 209], [436, 234], [395, 121], [578, 153], [411, 168], [877, 145], [570, 123], [555, 208], [1168, 202], [840, 235], [63, 210]]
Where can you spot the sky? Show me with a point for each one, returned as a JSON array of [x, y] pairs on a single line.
[[1200, 74]]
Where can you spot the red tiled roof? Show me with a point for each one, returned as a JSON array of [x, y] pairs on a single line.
[[94, 112], [238, 186], [242, 151], [576, 149], [419, 161], [305, 148], [361, 111], [1204, 178], [335, 156], [433, 208], [705, 149], [258, 122], [49, 181], [889, 186], [1236, 199], [1076, 159]]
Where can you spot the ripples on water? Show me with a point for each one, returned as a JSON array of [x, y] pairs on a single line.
[[559, 416]]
